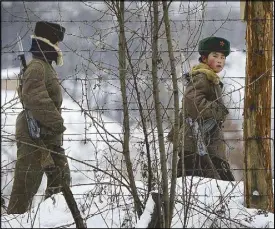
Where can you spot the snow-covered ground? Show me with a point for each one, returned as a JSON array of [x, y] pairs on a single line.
[[99, 146], [100, 210], [103, 201], [9, 73], [92, 146]]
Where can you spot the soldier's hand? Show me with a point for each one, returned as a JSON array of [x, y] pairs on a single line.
[[59, 129], [221, 112], [46, 131]]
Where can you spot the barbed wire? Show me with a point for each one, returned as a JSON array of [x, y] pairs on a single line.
[[131, 109], [58, 11], [135, 51], [116, 78], [12, 78], [8, 137], [142, 21], [129, 195], [87, 139], [125, 170]]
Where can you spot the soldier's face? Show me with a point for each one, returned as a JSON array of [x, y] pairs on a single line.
[[216, 61]]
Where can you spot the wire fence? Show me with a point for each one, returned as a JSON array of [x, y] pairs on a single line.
[[93, 144]]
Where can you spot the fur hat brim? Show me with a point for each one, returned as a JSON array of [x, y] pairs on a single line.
[[214, 44], [59, 61], [51, 31]]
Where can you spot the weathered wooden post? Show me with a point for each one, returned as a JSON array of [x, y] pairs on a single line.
[[257, 104]]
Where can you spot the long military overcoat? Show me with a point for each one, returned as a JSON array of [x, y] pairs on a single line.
[[41, 94], [203, 101]]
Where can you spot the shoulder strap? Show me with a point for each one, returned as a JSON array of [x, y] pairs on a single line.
[[20, 76]]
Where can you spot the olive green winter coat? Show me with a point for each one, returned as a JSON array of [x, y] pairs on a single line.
[[203, 101], [42, 96]]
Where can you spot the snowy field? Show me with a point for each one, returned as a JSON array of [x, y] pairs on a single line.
[[106, 202], [100, 211]]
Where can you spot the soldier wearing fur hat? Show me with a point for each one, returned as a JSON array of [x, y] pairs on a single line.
[[203, 103], [41, 94]]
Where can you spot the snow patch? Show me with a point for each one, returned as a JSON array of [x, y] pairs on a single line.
[[147, 214], [9, 73]]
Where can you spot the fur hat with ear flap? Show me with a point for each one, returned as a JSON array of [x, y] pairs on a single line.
[[46, 35], [214, 44], [51, 31]]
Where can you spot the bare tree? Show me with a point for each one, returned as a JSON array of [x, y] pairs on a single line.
[[122, 74], [155, 58], [176, 105], [126, 68]]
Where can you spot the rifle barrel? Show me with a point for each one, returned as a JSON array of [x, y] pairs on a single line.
[[23, 60], [22, 55]]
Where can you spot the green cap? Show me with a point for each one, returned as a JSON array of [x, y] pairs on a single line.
[[214, 44]]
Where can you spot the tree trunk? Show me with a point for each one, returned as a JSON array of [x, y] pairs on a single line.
[[158, 113], [126, 126], [257, 106], [156, 217], [143, 122], [176, 111], [68, 195]]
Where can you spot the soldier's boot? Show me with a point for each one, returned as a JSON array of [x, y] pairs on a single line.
[[58, 175], [27, 179], [54, 177], [223, 169], [191, 165]]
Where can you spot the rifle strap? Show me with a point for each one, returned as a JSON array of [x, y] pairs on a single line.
[[19, 89]]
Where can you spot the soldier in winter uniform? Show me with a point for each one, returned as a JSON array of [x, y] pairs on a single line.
[[41, 94], [203, 103]]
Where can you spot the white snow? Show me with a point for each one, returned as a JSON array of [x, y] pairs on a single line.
[[101, 212], [104, 202], [256, 193], [9, 73], [146, 215]]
